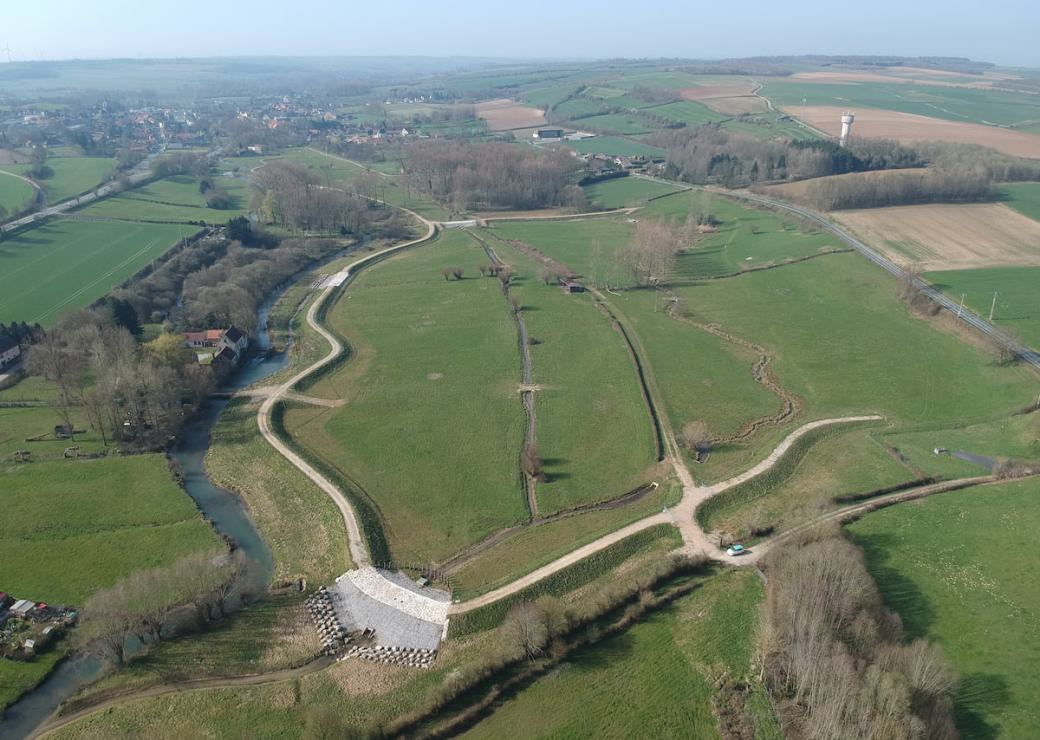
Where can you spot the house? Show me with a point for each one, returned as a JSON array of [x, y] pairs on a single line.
[[235, 339], [23, 608], [548, 133], [226, 358], [10, 352], [207, 338]]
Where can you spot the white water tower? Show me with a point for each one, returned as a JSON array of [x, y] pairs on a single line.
[[846, 127]]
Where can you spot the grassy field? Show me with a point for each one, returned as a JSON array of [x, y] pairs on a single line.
[[953, 566], [614, 146], [1024, 197], [537, 546], [173, 199], [656, 679], [1018, 299], [595, 434], [64, 265], [688, 112], [298, 520], [432, 425], [71, 175], [15, 193], [625, 191], [619, 123]]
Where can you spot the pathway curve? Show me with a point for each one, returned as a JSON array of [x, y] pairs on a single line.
[[355, 538]]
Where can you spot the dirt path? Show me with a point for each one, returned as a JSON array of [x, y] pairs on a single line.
[[267, 390], [358, 550], [56, 722]]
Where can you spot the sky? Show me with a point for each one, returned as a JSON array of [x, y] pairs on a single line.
[[999, 31]]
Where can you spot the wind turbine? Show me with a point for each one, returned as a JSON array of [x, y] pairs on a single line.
[[7, 50]]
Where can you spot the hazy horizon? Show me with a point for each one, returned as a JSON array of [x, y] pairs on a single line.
[[105, 29]]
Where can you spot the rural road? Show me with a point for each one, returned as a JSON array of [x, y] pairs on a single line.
[[358, 550], [967, 316]]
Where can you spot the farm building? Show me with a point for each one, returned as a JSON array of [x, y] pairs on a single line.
[[10, 352], [548, 133], [229, 344], [573, 286]]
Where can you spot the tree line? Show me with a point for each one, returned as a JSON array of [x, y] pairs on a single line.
[[711, 155], [148, 604], [492, 175], [901, 188], [836, 661]]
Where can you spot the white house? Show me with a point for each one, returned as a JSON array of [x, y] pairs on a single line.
[[10, 352]]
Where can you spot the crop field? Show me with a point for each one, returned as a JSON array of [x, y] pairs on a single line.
[[595, 433], [910, 127], [65, 264], [432, 424], [1024, 197], [173, 199], [15, 193], [71, 175], [688, 112], [949, 237], [614, 146], [625, 191], [947, 565], [1017, 290], [505, 115], [956, 104], [663, 668]]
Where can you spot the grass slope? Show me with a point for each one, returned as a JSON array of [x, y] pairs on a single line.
[[953, 566], [14, 193], [1018, 297], [173, 199], [64, 265], [432, 425], [1024, 197], [625, 191], [654, 680], [71, 175]]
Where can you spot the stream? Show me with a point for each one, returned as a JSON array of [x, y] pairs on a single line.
[[222, 508]]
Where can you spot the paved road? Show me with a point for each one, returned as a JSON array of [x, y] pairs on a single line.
[[968, 317], [358, 551]]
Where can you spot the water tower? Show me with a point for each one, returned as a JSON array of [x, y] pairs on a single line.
[[846, 127]]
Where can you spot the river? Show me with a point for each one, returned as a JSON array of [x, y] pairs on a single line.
[[221, 507]]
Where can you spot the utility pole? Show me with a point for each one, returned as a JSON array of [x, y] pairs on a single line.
[[961, 307], [993, 306]]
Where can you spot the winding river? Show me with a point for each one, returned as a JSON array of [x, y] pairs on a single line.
[[222, 508]]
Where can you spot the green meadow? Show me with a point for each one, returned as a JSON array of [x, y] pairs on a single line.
[[625, 191], [955, 568], [432, 425], [1018, 296], [1024, 197], [174, 199], [71, 176], [15, 193]]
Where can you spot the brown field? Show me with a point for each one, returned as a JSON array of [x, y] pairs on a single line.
[[9, 157], [907, 127], [505, 115], [716, 91], [949, 237], [907, 75], [736, 105]]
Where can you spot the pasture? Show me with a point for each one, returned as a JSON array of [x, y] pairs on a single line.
[[1024, 197], [1017, 291], [595, 434], [686, 111], [664, 668], [432, 425], [949, 237], [625, 191], [173, 199], [70, 176], [619, 123], [66, 264], [15, 194], [953, 567]]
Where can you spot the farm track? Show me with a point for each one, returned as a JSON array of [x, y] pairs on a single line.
[[56, 722], [761, 372]]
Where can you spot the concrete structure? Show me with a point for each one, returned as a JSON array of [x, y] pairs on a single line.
[[9, 352], [846, 127], [548, 133]]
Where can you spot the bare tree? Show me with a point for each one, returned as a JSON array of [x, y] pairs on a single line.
[[526, 630], [531, 462], [695, 437]]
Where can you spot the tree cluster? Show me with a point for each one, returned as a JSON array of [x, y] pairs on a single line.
[[836, 659], [22, 333], [492, 175], [709, 154], [181, 163], [130, 396], [901, 188], [144, 604], [292, 195], [650, 256]]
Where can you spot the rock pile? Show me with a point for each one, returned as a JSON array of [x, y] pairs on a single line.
[[408, 657], [333, 634]]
